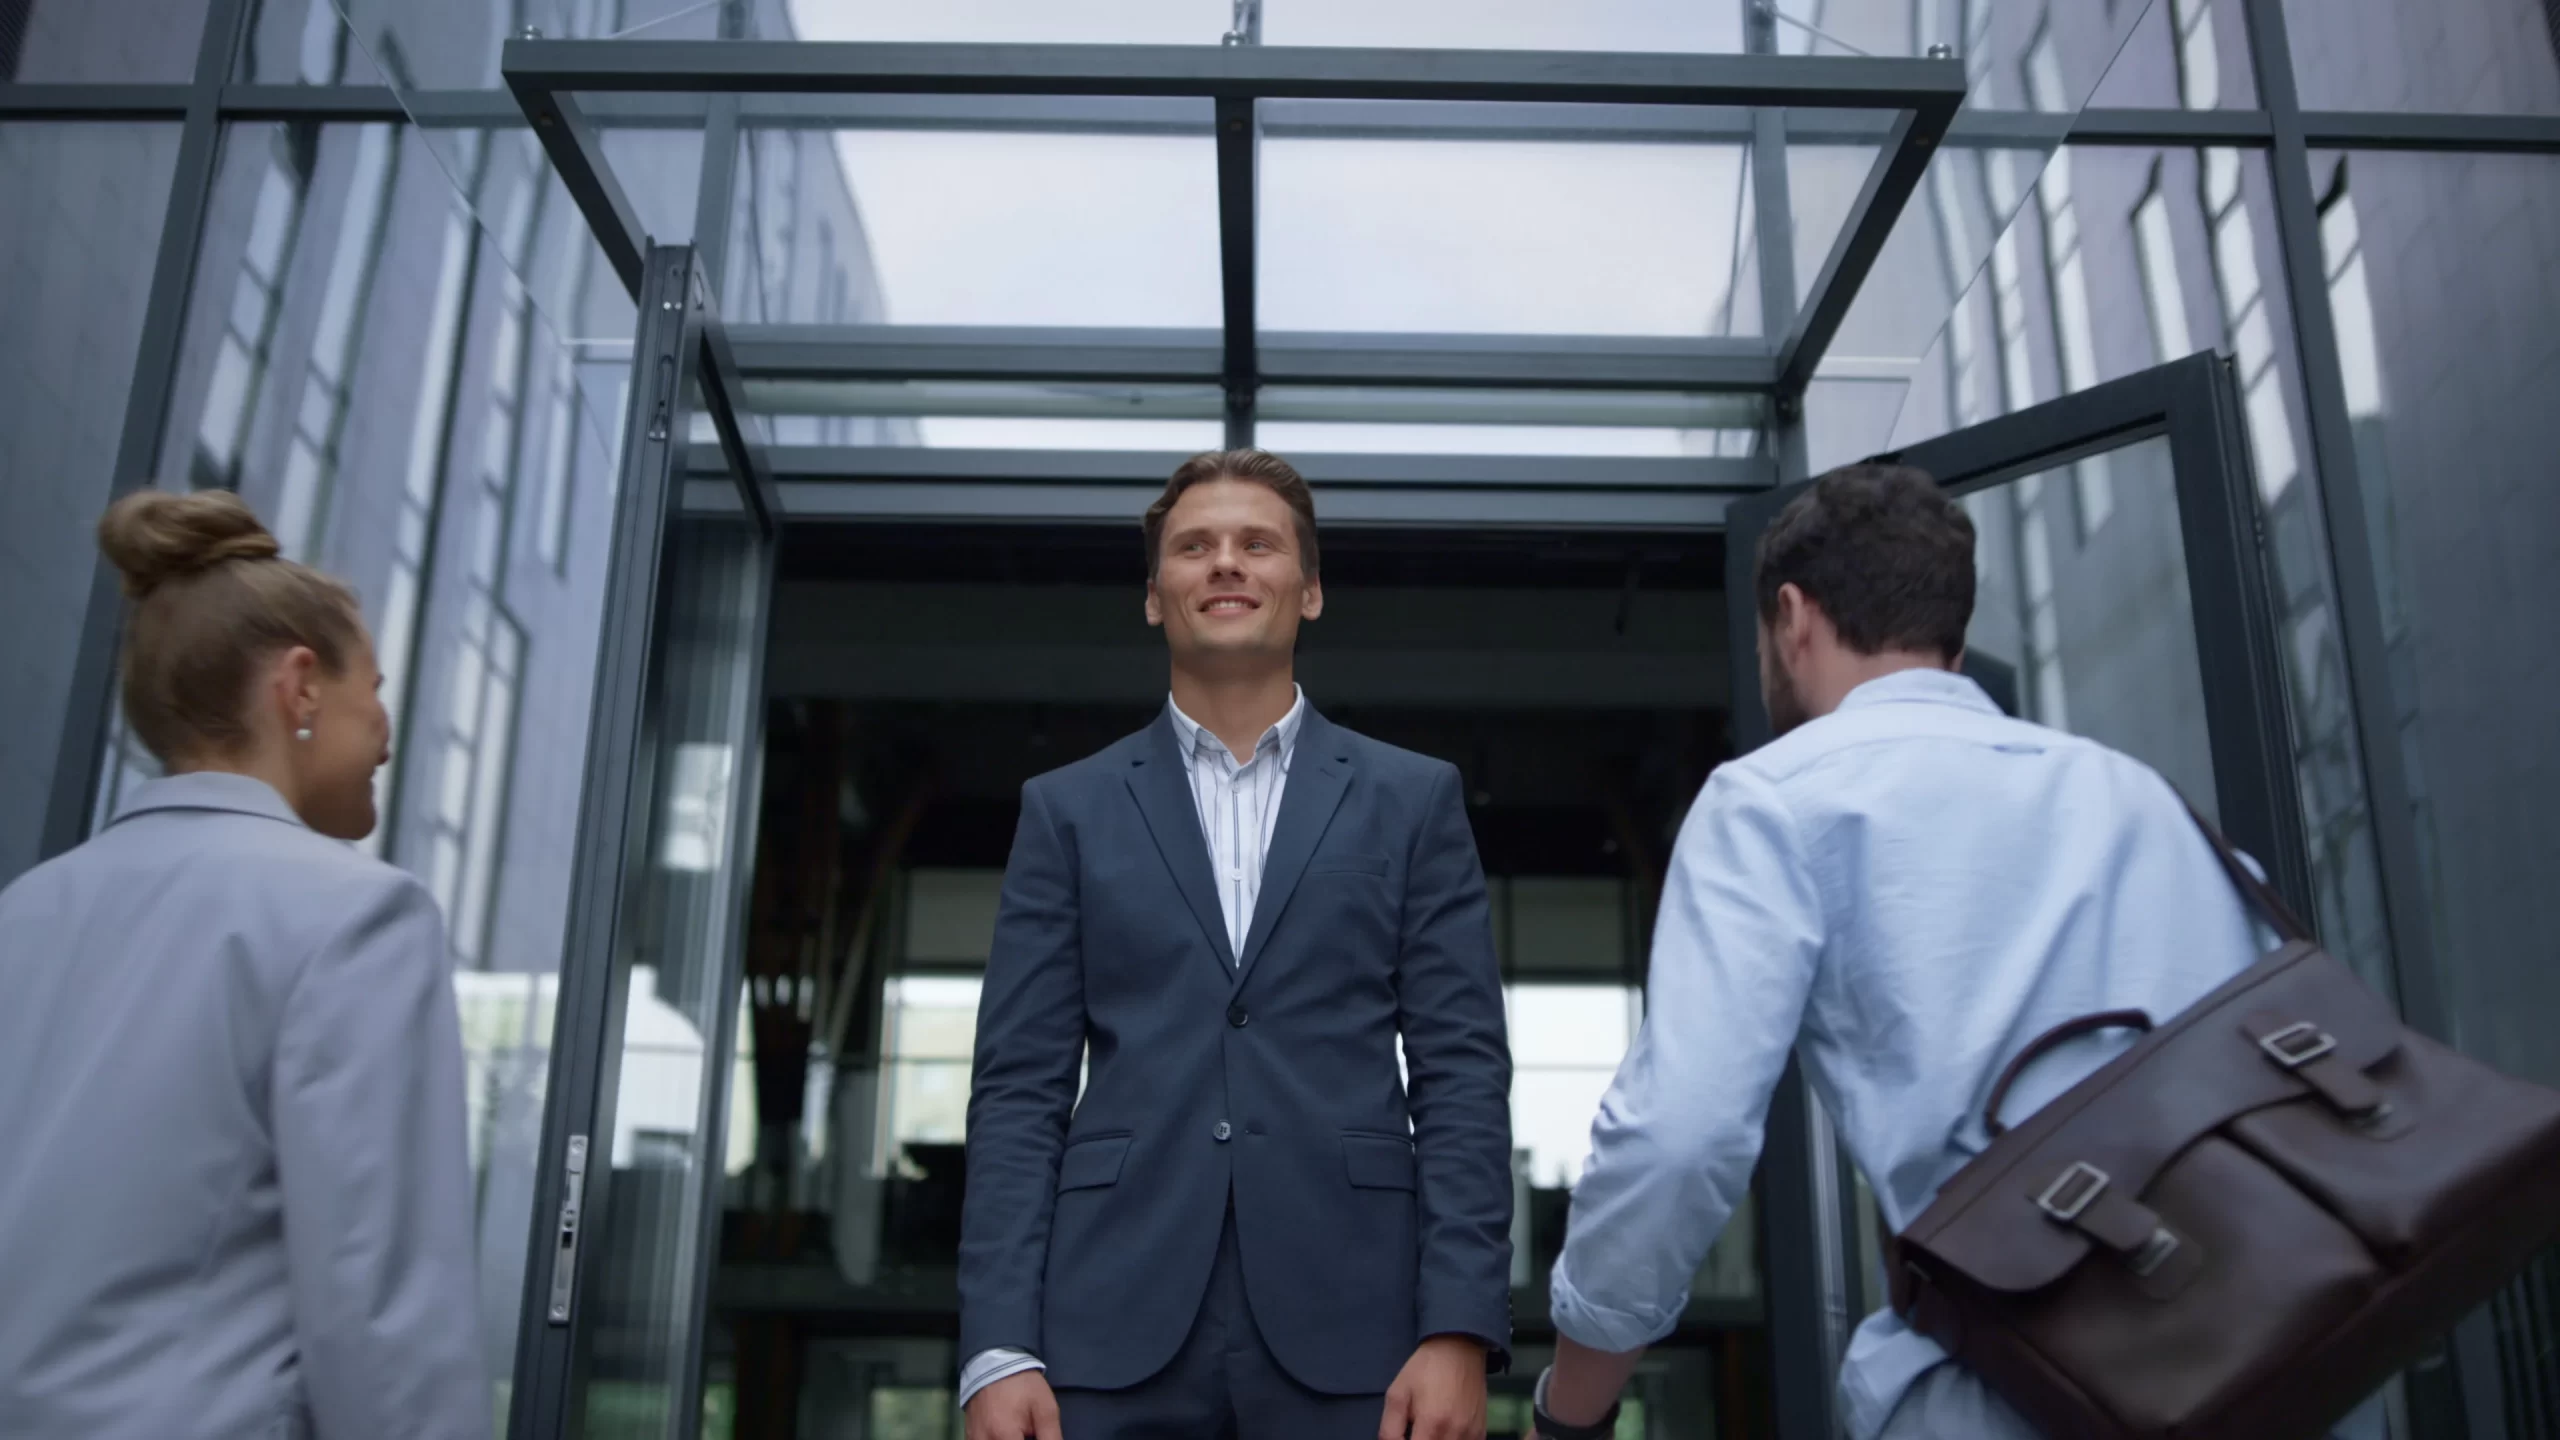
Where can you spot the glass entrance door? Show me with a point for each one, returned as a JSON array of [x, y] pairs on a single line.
[[633, 1129], [2121, 595]]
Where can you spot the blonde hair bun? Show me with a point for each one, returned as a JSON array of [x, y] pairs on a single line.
[[155, 536]]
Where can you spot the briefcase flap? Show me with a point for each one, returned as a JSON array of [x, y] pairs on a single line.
[[2005, 1220]]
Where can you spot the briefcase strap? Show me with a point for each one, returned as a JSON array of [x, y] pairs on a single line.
[[2261, 895]]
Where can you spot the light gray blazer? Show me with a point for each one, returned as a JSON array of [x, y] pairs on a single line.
[[234, 1195]]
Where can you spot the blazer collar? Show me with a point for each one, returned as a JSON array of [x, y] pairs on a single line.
[[207, 790]]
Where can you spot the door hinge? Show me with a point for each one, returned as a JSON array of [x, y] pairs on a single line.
[[564, 1253]]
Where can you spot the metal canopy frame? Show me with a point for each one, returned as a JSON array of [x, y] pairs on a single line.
[[1904, 107]]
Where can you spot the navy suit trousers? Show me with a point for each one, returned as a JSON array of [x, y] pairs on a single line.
[[1223, 1384]]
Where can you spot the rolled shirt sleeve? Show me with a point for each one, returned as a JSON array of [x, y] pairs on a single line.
[[1734, 953], [368, 1114]]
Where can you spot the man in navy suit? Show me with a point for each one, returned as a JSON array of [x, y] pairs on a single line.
[[1251, 1224]]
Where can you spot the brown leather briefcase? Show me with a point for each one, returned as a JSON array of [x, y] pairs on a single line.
[[2244, 1224]]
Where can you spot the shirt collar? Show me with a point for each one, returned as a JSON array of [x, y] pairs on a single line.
[[208, 790], [1923, 685], [1283, 736]]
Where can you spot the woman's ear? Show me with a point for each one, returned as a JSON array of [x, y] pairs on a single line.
[[297, 686]]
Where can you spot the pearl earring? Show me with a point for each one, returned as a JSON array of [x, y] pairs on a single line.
[[302, 734]]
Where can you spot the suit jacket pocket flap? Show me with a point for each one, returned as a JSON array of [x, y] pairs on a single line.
[[1378, 1162], [1088, 1163], [1347, 864]]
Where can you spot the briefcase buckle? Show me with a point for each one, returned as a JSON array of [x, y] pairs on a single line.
[[2072, 1190], [2297, 1044]]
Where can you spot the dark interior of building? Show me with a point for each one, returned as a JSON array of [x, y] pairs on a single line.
[[1577, 681]]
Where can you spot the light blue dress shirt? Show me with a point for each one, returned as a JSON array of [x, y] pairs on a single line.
[[1905, 892], [1239, 806]]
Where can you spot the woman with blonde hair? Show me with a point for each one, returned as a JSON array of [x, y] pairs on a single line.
[[235, 1200]]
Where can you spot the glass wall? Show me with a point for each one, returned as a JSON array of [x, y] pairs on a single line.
[[78, 239], [2153, 255], [2440, 279]]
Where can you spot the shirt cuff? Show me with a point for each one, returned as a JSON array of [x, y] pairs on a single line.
[[989, 1366], [1611, 1331]]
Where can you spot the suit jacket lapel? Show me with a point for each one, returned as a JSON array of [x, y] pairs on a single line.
[[1318, 774], [1161, 783]]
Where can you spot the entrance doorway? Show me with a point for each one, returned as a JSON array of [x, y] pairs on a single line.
[[748, 1180], [918, 675]]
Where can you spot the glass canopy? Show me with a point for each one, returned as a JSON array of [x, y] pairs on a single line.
[[1229, 202]]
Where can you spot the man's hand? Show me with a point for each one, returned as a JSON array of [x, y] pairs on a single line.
[[1021, 1406], [1439, 1395]]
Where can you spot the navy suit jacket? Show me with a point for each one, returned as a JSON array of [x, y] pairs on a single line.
[[1369, 1213]]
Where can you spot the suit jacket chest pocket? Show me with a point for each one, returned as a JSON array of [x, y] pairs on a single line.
[[1348, 865], [1353, 901]]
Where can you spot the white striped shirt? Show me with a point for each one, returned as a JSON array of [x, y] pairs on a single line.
[[1239, 806]]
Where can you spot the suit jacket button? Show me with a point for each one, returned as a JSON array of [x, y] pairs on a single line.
[[1236, 1016], [1222, 1130]]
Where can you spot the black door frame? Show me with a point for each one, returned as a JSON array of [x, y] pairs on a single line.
[[2192, 403], [681, 351]]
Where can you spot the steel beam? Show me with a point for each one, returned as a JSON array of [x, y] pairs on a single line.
[[95, 102], [1283, 357], [2381, 130], [1740, 475], [1552, 362], [1119, 504], [1459, 120], [83, 742], [741, 448], [1231, 72], [1890, 182], [1239, 193], [578, 156]]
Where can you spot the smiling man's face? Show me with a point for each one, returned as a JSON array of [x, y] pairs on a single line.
[[1231, 587]]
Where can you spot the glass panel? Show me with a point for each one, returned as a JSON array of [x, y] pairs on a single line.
[[676, 951], [920, 227], [77, 247], [301, 42], [1188, 437], [1632, 25], [1516, 237], [2095, 633], [371, 368], [661, 172], [2037, 60], [101, 41], [2433, 263], [2433, 266], [1823, 182], [1020, 22], [2175, 251], [2192, 54], [1345, 438], [2478, 57], [1566, 1042]]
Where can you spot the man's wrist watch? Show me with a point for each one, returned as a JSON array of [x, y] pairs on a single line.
[[1554, 1429], [1551, 1428]]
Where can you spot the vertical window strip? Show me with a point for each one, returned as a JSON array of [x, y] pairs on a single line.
[[2067, 281], [2043, 684], [2163, 294], [310, 475], [257, 302], [404, 597]]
